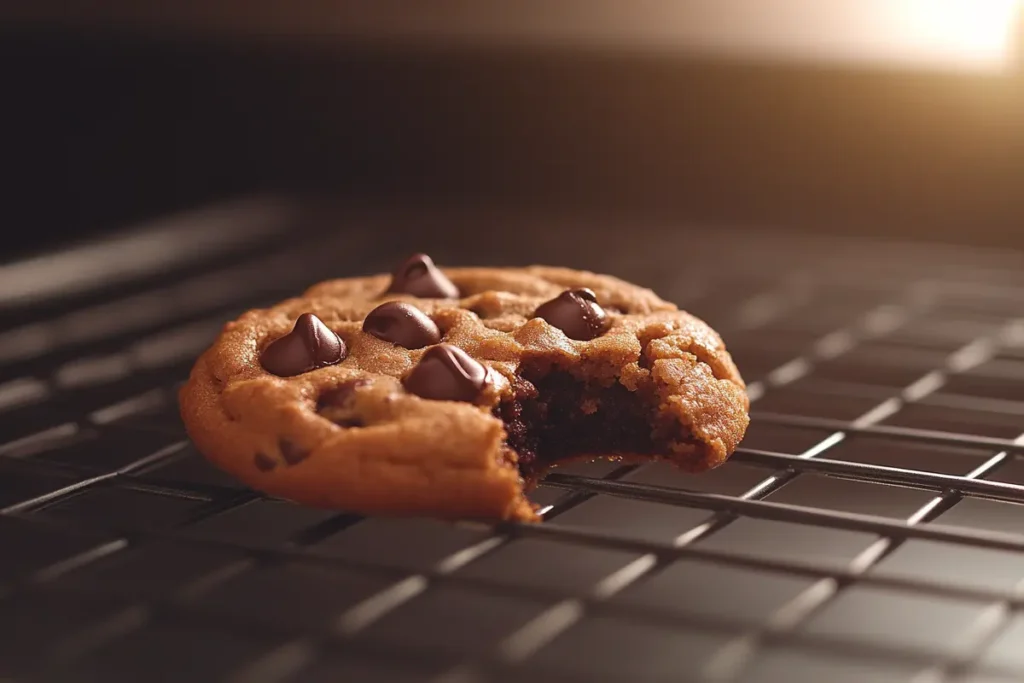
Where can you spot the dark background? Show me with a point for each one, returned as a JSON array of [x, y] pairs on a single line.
[[103, 128]]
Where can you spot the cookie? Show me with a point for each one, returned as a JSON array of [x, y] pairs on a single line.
[[451, 393]]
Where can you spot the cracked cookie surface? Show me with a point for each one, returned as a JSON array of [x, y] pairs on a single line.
[[448, 393]]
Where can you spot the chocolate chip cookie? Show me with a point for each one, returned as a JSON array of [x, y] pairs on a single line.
[[450, 393]]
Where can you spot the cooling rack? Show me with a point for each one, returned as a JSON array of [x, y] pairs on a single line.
[[868, 529]]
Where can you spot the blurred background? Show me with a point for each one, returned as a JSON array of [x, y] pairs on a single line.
[[867, 529], [875, 116]]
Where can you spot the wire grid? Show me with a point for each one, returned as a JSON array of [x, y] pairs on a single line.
[[129, 557]]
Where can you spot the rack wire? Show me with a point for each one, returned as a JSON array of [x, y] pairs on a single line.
[[868, 529]]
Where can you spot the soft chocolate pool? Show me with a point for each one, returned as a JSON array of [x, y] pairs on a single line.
[[555, 417]]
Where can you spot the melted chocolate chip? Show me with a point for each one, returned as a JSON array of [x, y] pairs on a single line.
[[292, 452], [403, 324], [418, 275], [336, 404], [263, 462], [341, 395], [577, 313], [447, 373], [310, 345]]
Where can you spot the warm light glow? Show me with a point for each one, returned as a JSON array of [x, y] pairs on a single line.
[[976, 32], [967, 35], [942, 34]]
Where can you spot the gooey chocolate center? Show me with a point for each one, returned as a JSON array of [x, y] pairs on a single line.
[[554, 417]]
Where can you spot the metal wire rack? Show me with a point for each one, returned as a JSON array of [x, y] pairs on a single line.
[[868, 529]]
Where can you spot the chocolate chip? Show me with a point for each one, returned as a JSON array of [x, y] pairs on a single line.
[[310, 345], [336, 404], [292, 452], [447, 373], [263, 462], [341, 395], [418, 275], [403, 324], [575, 312]]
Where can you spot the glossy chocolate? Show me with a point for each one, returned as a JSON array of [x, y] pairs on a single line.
[[403, 324], [418, 275], [310, 345], [577, 313], [447, 373]]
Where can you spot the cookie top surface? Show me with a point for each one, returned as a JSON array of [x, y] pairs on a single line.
[[358, 397]]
